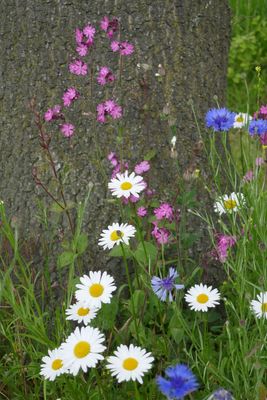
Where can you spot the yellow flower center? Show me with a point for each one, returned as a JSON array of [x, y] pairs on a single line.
[[240, 119], [230, 204], [96, 290], [202, 298], [116, 235], [82, 349], [83, 311], [264, 307], [57, 364], [126, 186], [130, 364]]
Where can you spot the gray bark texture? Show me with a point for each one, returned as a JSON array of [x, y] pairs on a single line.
[[189, 38]]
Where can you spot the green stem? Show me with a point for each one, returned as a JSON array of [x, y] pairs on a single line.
[[137, 394]]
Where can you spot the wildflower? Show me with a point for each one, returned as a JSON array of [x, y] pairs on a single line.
[[110, 27], [165, 287], [160, 234], [131, 199], [165, 210], [112, 157], [109, 107], [53, 365], [69, 96], [221, 394], [95, 289], [78, 67], [116, 234], [105, 76], [141, 212], [229, 204], [130, 363], [126, 185], [201, 297], [259, 307], [181, 382], [53, 113], [257, 127], [263, 139], [124, 48], [220, 119], [241, 120], [118, 168], [67, 129], [142, 167], [82, 349], [78, 312], [248, 177], [84, 39], [259, 161], [173, 141], [263, 110], [223, 243]]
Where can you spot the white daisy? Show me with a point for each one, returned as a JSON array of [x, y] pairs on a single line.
[[82, 349], [78, 312], [259, 307], [115, 234], [95, 289], [130, 363], [201, 297], [241, 120], [125, 186], [53, 365], [229, 204]]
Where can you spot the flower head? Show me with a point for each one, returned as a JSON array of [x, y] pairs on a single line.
[[164, 288], [116, 234], [259, 306], [53, 113], [78, 312], [220, 119], [160, 234], [221, 394], [78, 67], [130, 363], [165, 210], [142, 167], [67, 129], [82, 349], [223, 243], [69, 96], [95, 289], [201, 297], [110, 27], [109, 107], [53, 365], [257, 127], [229, 204], [259, 161], [141, 212], [241, 120], [126, 185], [105, 76], [124, 48], [181, 381]]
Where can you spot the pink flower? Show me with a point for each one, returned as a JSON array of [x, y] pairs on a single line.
[[53, 113], [84, 39], [116, 112], [89, 32], [141, 212], [113, 159], [259, 161], [105, 76], [223, 243], [263, 139], [160, 234], [120, 167], [150, 192], [78, 67], [82, 50], [248, 177], [263, 109], [109, 26], [124, 48], [143, 166], [165, 210], [67, 129], [69, 96], [109, 107]]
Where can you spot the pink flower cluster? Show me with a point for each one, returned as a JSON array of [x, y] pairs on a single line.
[[105, 76], [110, 27], [84, 39], [248, 177], [116, 165], [165, 210], [67, 129], [222, 246], [78, 67], [142, 167], [142, 212], [69, 96], [259, 161], [160, 234], [53, 113], [109, 107], [124, 48]]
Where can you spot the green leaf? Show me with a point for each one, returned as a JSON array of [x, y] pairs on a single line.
[[82, 243], [65, 259], [107, 316], [117, 251], [150, 154], [146, 248], [177, 334], [138, 299]]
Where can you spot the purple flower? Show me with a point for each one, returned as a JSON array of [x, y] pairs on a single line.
[[67, 129], [89, 32], [141, 212], [181, 382], [105, 76], [109, 107], [124, 48], [257, 127], [248, 177], [142, 167], [223, 244], [110, 27], [165, 210], [53, 113], [69, 96], [164, 287], [259, 161], [78, 67], [220, 119], [221, 394], [263, 138], [113, 159], [160, 234], [84, 39]]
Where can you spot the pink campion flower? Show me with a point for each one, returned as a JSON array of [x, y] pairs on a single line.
[[110, 27], [223, 243], [120, 167], [67, 129], [89, 32], [165, 210], [150, 192], [248, 177], [160, 234], [263, 110], [105, 76], [49, 115], [69, 96], [116, 112], [124, 48], [113, 159], [53, 113], [82, 50], [84, 39], [259, 161], [263, 139], [78, 36], [109, 105], [141, 212], [142, 167], [78, 67]]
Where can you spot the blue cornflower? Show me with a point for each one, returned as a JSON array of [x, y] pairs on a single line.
[[181, 382], [220, 119], [257, 127], [221, 394], [163, 287]]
